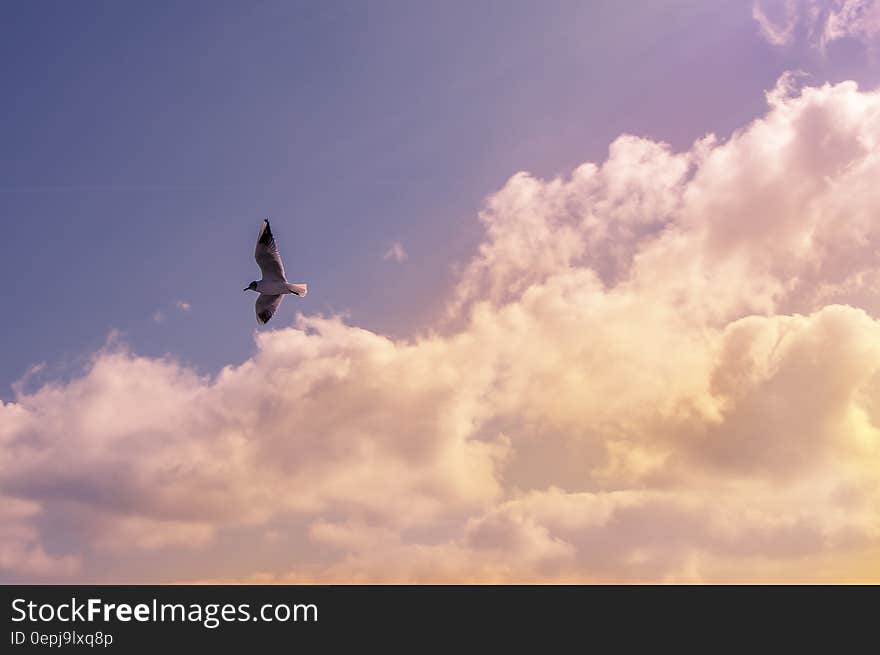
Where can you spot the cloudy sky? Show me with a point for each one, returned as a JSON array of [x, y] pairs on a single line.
[[593, 290]]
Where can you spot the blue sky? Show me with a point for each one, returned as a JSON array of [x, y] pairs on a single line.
[[142, 143]]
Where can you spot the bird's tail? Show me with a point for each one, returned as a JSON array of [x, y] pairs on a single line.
[[298, 289]]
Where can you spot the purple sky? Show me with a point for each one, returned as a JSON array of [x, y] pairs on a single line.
[[143, 143]]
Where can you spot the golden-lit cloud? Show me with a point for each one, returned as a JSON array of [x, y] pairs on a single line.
[[663, 367]]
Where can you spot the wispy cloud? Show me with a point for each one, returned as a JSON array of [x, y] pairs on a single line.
[[817, 22], [777, 32], [159, 316], [395, 252], [858, 19]]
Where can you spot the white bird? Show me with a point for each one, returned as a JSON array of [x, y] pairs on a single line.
[[274, 285]]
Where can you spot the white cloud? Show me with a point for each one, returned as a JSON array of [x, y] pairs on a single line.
[[183, 306], [158, 316], [663, 367]]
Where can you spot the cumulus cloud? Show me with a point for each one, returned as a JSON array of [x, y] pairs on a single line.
[[395, 252], [661, 367], [21, 550], [183, 306]]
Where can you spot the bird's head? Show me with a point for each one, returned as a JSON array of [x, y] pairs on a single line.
[[251, 287]]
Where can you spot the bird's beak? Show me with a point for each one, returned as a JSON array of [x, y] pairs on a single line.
[[246, 289]]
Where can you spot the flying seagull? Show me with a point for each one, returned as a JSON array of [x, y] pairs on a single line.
[[274, 285]]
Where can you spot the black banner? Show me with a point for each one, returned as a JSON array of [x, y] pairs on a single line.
[[415, 618]]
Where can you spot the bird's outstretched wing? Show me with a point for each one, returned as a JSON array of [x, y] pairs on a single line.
[[266, 306], [267, 256]]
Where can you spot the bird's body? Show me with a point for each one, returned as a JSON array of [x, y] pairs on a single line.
[[274, 285], [277, 287]]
